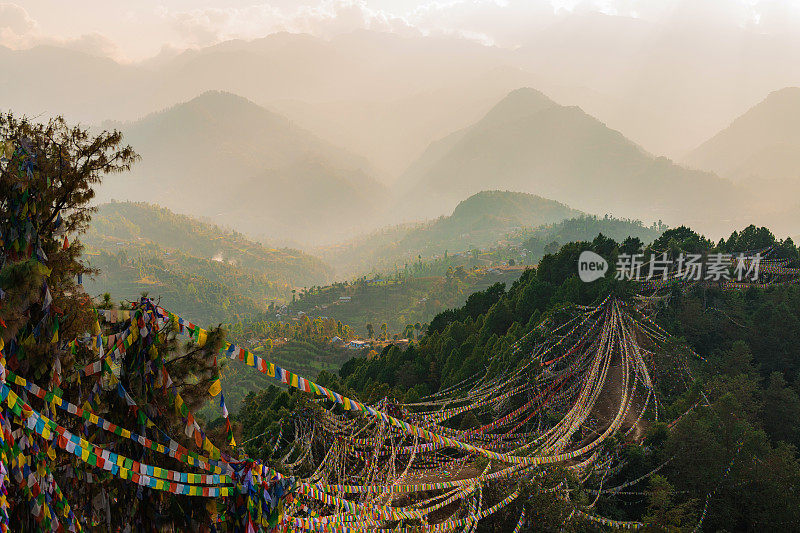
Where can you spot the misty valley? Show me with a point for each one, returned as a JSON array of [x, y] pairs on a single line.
[[382, 266]]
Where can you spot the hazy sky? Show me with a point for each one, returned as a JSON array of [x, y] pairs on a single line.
[[135, 30]]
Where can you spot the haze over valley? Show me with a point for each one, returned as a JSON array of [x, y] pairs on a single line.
[[369, 149], [400, 265], [315, 138]]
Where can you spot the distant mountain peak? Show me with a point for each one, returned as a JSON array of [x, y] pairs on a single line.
[[220, 96], [517, 104], [527, 95], [477, 222], [763, 142], [268, 176], [781, 106], [219, 107], [529, 143], [223, 104], [786, 92], [506, 204]]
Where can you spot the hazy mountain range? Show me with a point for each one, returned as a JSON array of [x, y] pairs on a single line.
[[763, 143], [667, 88], [359, 67], [396, 132], [224, 157], [314, 141], [529, 143], [760, 151]]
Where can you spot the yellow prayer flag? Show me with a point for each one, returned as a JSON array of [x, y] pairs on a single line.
[[207, 446], [178, 404], [215, 388]]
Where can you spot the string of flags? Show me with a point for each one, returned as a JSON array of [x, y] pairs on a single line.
[[337, 472]]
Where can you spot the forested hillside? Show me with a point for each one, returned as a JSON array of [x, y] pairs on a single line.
[[736, 435], [537, 242], [398, 300], [420, 288], [202, 270], [148, 223], [480, 221], [304, 344]]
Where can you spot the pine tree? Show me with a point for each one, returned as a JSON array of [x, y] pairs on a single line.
[[139, 376]]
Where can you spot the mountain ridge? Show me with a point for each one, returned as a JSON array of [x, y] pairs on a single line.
[[263, 169], [476, 222], [562, 153], [762, 142]]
